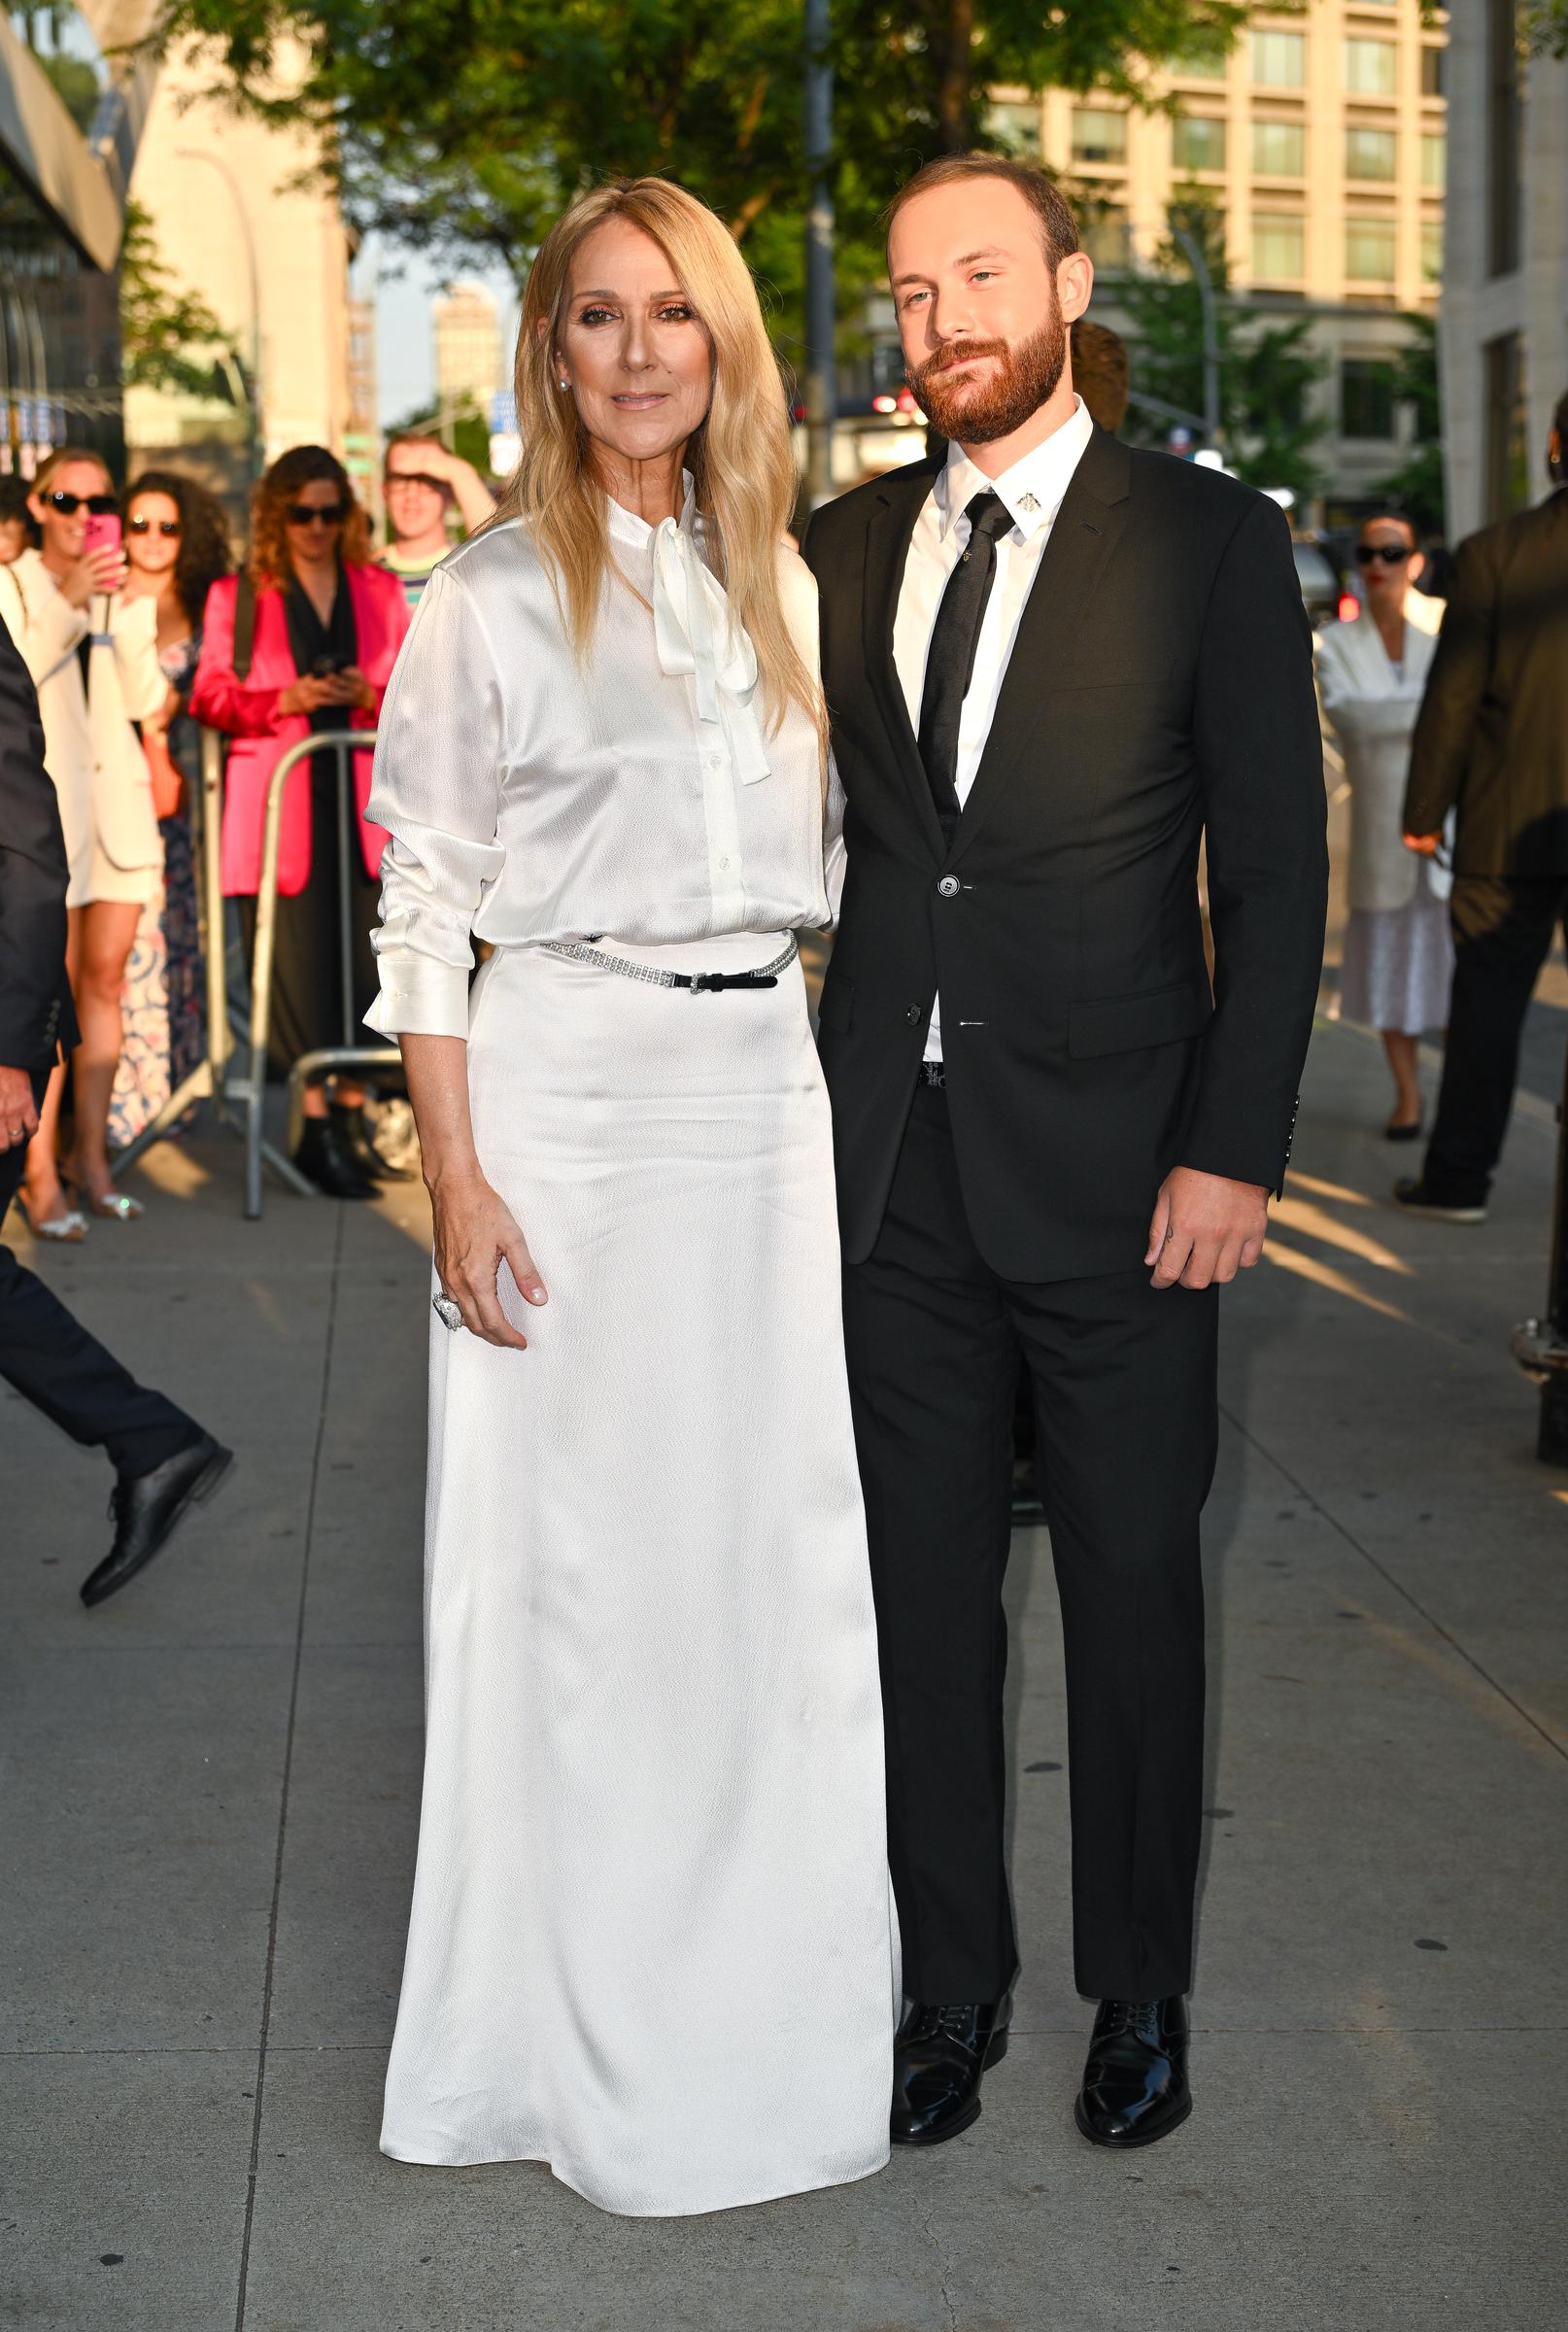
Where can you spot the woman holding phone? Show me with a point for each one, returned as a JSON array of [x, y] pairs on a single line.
[[93, 658], [323, 629]]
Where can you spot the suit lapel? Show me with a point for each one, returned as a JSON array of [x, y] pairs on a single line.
[[900, 500], [1045, 648]]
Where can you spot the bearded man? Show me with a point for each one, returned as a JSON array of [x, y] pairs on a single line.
[[1053, 664]]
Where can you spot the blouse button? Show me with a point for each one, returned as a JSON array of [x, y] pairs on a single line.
[[724, 866]]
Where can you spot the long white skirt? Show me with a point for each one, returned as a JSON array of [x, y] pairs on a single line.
[[652, 1940]]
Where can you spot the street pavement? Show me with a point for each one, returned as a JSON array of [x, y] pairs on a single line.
[[211, 1793]]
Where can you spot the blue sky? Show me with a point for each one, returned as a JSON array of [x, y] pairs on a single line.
[[403, 285]]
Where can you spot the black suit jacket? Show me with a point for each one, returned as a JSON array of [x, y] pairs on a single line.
[[1492, 735], [35, 999], [1159, 686]]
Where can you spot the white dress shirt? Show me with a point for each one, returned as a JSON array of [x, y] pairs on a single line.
[[638, 793], [1032, 491]]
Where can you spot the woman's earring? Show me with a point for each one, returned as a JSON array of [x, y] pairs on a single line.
[[565, 384]]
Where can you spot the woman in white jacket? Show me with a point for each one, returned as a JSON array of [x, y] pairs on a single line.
[[1398, 963], [93, 659]]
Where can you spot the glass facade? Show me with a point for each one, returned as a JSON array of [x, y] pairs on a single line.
[[1370, 152], [59, 339], [1369, 250], [1198, 141], [1278, 247], [1099, 135], [1366, 397], [1279, 148], [1371, 68], [1280, 59]]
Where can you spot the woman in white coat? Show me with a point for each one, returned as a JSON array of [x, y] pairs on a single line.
[[652, 1941], [1398, 964], [93, 659]]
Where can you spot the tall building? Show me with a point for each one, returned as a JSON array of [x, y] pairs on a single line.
[[467, 348], [270, 257], [1505, 283], [1319, 141]]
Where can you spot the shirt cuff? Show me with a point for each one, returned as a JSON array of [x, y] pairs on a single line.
[[420, 998]]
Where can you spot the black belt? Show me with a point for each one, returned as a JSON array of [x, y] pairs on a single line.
[[654, 976]]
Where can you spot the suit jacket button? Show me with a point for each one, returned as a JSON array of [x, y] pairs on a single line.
[[947, 888], [914, 1015]]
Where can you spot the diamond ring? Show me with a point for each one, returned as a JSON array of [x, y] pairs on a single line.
[[446, 1311]]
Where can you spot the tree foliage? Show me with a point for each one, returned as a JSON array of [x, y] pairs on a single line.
[[1266, 370], [464, 126], [169, 338]]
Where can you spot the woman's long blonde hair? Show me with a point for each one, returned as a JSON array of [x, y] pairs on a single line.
[[740, 455]]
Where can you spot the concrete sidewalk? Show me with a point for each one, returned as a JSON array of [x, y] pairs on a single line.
[[211, 1794]]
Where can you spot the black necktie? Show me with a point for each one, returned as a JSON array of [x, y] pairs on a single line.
[[950, 660]]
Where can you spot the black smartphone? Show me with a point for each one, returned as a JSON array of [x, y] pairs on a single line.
[[327, 668]]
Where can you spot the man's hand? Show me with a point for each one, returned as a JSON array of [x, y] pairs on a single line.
[[19, 1117], [1425, 843], [1205, 1228]]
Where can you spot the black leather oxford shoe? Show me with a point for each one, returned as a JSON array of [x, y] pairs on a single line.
[[939, 2055], [146, 1508], [1134, 2083]]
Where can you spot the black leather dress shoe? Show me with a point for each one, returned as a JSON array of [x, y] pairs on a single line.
[[939, 2055], [327, 1159], [1134, 2083], [147, 1507]]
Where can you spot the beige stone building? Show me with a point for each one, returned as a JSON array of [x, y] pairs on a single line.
[[271, 260], [1320, 139], [466, 326]]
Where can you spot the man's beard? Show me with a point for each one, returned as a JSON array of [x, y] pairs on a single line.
[[979, 412]]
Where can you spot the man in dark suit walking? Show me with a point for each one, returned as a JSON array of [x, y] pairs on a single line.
[[1492, 739], [1052, 664], [161, 1458]]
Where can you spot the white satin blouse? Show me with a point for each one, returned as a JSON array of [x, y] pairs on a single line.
[[638, 794]]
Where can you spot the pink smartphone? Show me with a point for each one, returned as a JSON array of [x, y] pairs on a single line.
[[103, 531]]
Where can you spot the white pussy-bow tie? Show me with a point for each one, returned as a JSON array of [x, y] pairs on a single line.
[[696, 631]]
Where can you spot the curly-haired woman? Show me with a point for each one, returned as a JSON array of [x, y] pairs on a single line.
[[327, 628], [176, 547]]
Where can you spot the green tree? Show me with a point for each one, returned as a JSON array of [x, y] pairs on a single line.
[[76, 81], [463, 429], [1266, 371], [463, 127], [169, 338], [1417, 483]]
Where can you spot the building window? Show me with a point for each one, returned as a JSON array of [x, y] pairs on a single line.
[[1434, 71], [1279, 148], [1016, 128], [1280, 59], [1278, 247], [1105, 234], [1371, 68], [1370, 152], [1434, 158], [1504, 127], [1508, 474], [1099, 135], [1369, 250], [1366, 397], [1431, 251], [1198, 141], [1206, 57]]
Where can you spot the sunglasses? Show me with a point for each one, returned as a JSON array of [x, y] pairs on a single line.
[[316, 514], [169, 527], [68, 504], [1368, 554], [414, 478]]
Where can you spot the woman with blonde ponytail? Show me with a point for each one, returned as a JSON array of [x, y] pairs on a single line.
[[652, 1942]]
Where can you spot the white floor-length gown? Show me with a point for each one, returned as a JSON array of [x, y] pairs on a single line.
[[652, 1941]]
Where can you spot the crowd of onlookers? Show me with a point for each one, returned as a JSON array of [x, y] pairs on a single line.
[[137, 627]]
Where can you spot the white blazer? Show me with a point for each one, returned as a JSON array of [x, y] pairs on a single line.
[[1371, 712], [90, 749]]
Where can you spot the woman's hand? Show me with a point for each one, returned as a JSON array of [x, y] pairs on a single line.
[[350, 687], [101, 571], [304, 696], [475, 1232]]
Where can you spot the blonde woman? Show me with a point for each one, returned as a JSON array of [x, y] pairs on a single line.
[[652, 1942]]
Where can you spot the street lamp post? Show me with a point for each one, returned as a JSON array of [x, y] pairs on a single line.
[[253, 402], [820, 383], [1187, 242]]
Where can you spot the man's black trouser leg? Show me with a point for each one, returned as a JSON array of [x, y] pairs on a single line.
[[52, 1361], [1124, 1380], [1502, 932]]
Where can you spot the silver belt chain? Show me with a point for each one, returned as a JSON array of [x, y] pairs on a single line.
[[579, 951]]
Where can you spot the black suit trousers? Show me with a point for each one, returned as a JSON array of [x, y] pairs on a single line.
[[52, 1361], [1503, 929], [1126, 1404]]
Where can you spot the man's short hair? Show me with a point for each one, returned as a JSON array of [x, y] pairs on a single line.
[[405, 437], [1058, 229]]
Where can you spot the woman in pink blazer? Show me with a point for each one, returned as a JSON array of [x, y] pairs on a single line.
[[325, 627]]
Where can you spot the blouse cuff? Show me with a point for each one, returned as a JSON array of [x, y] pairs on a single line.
[[419, 997]]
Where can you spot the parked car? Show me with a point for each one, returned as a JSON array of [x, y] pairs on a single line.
[[1325, 594]]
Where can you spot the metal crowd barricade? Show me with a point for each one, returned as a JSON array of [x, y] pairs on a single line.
[[209, 1079], [342, 744]]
